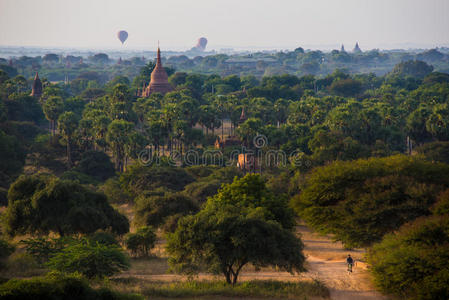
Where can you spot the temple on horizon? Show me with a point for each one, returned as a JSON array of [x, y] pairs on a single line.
[[159, 79], [37, 87]]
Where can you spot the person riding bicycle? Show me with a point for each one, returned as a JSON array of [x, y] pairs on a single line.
[[350, 262]]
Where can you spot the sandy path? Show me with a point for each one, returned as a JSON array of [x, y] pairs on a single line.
[[326, 262]]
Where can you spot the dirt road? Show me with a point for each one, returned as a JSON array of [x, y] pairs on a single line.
[[326, 262]]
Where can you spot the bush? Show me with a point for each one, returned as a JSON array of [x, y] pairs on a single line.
[[79, 177], [115, 193], [141, 242], [140, 178], [22, 264], [436, 151], [42, 249], [201, 190], [104, 238], [5, 250], [91, 259], [96, 164], [414, 262], [153, 211], [56, 287]]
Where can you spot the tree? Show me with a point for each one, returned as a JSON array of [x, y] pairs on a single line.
[[413, 263], [53, 107], [96, 164], [250, 192], [42, 204], [414, 68], [140, 179], [141, 242], [224, 242], [92, 259], [360, 201], [154, 210], [68, 123], [118, 137], [346, 87]]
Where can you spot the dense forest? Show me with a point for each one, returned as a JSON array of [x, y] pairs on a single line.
[[362, 153]]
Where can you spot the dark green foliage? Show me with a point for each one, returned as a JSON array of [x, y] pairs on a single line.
[[104, 238], [115, 193], [90, 258], [346, 87], [79, 177], [96, 164], [140, 178], [361, 201], [201, 190], [223, 242], [42, 249], [3, 197], [39, 204], [441, 207], [418, 69], [6, 249], [250, 192], [436, 151], [154, 210], [12, 158], [141, 242], [414, 262], [56, 287]]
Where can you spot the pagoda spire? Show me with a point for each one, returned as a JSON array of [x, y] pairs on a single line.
[[36, 90], [158, 59]]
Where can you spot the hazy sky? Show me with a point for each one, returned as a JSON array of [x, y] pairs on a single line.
[[227, 23]]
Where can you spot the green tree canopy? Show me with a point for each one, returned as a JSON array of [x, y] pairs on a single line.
[[40, 204], [224, 242], [360, 201]]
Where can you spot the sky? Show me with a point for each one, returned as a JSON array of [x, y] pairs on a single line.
[[239, 24]]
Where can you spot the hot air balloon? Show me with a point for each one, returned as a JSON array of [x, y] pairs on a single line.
[[122, 36], [201, 44]]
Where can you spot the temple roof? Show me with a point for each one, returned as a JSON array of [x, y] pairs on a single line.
[[159, 79], [37, 86]]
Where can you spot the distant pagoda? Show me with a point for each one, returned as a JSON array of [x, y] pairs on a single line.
[[159, 79], [342, 48], [357, 48], [37, 87]]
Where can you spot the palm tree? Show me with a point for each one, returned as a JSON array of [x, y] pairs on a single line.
[[53, 107], [68, 123]]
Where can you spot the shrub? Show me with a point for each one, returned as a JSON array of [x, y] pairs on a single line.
[[22, 264], [201, 190], [115, 193], [140, 178], [153, 211], [42, 249], [96, 164], [141, 242], [414, 262], [56, 287], [91, 259], [6, 250], [435, 151], [104, 238]]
